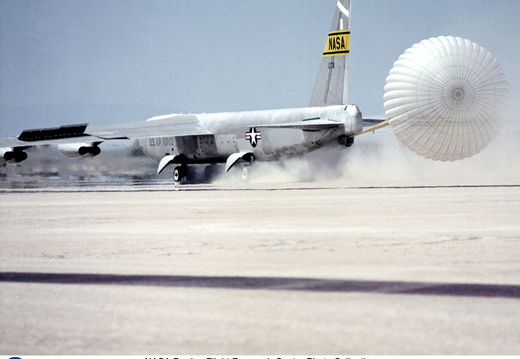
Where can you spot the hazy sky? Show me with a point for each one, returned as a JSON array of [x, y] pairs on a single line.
[[206, 56]]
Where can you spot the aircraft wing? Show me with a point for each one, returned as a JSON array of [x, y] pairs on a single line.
[[174, 125], [367, 122]]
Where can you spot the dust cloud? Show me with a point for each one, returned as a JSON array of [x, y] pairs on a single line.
[[380, 159], [382, 156]]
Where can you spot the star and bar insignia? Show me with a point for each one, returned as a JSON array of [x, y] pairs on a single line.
[[253, 136]]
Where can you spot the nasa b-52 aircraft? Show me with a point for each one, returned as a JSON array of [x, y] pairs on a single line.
[[444, 99]]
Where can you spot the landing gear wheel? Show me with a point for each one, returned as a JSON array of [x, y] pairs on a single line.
[[210, 172], [179, 173], [245, 173]]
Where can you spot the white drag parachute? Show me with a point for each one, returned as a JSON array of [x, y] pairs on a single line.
[[446, 98]]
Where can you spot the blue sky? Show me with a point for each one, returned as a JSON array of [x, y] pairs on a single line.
[[97, 61]]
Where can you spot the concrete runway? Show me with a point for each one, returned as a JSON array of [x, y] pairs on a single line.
[[265, 268]]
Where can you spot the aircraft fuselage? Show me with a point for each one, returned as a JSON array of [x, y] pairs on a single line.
[[250, 131]]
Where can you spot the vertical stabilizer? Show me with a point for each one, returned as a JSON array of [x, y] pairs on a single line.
[[331, 87]]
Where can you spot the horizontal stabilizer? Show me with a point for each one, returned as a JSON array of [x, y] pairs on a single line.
[[372, 121], [309, 125]]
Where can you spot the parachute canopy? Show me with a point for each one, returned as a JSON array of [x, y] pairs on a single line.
[[446, 98]]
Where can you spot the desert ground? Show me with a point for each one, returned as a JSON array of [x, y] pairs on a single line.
[[319, 267]]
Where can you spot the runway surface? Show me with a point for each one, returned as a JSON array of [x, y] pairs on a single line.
[[260, 268]]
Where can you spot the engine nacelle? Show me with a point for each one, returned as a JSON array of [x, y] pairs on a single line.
[[12, 155], [77, 150]]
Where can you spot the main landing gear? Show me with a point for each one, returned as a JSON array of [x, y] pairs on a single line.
[[192, 174], [246, 172], [179, 173]]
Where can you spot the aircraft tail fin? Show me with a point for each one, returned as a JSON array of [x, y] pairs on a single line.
[[331, 87]]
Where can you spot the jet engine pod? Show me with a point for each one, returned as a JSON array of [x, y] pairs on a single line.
[[76, 150], [446, 98], [12, 155]]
